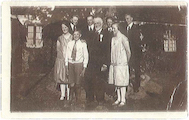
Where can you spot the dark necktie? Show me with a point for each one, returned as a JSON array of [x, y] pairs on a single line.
[[74, 51], [90, 28], [74, 29], [98, 35]]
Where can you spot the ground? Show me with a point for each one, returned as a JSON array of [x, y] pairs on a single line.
[[36, 92]]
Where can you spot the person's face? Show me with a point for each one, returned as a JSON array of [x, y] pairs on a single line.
[[74, 20], [98, 25], [115, 29], [128, 19], [90, 20], [64, 29], [109, 22], [76, 35]]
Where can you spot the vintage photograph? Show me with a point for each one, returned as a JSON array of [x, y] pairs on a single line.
[[101, 58]]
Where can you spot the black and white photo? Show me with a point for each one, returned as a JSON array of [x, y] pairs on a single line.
[[99, 58]]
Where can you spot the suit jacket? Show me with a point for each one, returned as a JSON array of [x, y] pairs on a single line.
[[71, 31], [98, 46], [134, 40], [86, 34], [108, 38]]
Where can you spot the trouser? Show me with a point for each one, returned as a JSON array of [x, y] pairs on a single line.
[[75, 80], [136, 66], [95, 86], [89, 88], [99, 89], [110, 89], [74, 73]]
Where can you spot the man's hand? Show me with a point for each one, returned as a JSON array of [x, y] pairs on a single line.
[[82, 73], [104, 68]]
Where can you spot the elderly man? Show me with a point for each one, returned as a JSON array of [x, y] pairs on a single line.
[[97, 67]]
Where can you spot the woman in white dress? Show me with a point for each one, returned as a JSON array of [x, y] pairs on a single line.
[[119, 70], [59, 68]]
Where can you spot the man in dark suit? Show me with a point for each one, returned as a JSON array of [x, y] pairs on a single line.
[[108, 34], [88, 34], [97, 65], [88, 30], [73, 24], [133, 34]]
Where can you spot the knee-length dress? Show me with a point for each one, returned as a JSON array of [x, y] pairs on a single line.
[[59, 68], [119, 70]]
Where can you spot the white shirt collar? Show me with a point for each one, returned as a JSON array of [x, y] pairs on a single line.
[[78, 41], [72, 25], [92, 26], [109, 28], [99, 31], [130, 25]]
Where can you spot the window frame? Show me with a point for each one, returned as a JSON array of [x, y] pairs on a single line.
[[34, 39]]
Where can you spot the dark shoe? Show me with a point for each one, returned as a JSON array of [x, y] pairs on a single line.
[[136, 90]]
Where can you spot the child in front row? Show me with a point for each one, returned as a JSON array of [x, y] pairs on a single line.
[[76, 62]]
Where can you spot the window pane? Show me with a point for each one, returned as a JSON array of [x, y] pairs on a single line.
[[29, 43], [38, 29], [38, 35], [30, 28], [166, 49], [170, 49], [175, 49], [30, 35], [165, 45], [39, 43]]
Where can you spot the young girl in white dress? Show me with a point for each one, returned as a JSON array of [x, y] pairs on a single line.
[[119, 70]]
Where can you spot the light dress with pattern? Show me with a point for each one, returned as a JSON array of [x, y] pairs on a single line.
[[119, 70], [59, 68]]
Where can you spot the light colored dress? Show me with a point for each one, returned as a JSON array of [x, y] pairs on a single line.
[[59, 68], [119, 70]]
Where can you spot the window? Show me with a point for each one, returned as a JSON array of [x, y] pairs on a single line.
[[169, 42], [34, 37]]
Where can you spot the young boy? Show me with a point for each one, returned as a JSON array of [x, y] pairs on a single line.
[[76, 62]]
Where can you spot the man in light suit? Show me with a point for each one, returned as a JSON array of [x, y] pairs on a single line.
[[133, 34]]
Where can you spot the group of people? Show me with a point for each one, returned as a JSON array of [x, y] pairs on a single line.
[[94, 58]]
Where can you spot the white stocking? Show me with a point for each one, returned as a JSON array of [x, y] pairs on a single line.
[[62, 89], [118, 95], [68, 92], [123, 93]]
